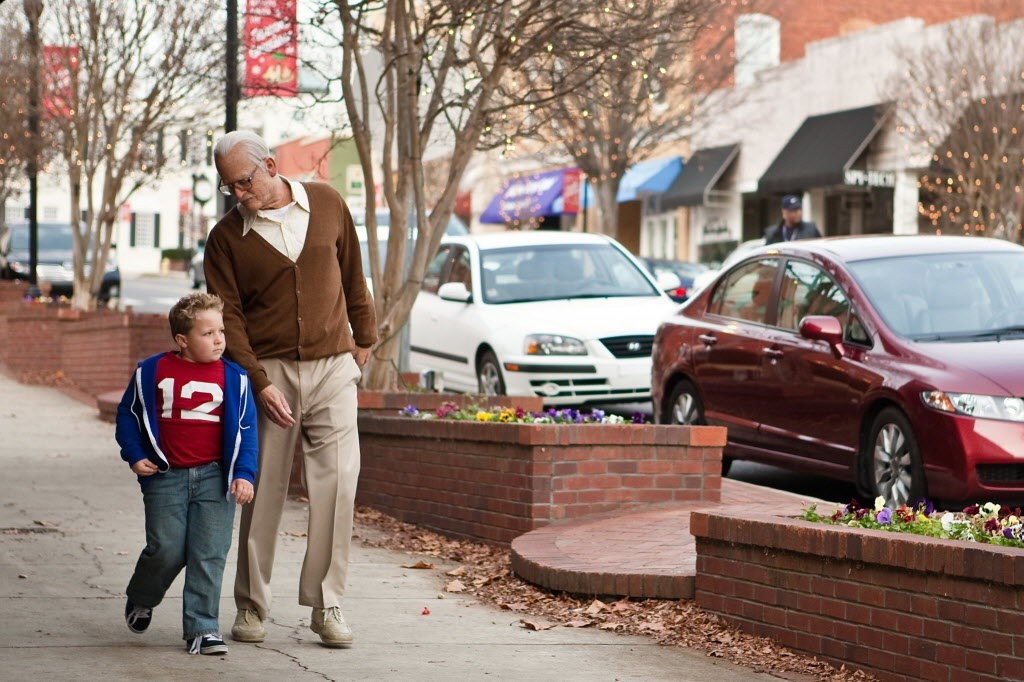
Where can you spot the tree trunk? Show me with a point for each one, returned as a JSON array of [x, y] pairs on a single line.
[[607, 209]]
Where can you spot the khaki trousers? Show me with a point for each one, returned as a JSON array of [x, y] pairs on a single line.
[[322, 395]]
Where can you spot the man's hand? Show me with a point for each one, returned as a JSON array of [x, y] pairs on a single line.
[[276, 406], [361, 355], [242, 490], [144, 468]]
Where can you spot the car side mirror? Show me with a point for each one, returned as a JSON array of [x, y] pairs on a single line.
[[455, 291], [825, 328]]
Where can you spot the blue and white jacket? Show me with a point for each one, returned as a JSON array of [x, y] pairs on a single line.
[[138, 436]]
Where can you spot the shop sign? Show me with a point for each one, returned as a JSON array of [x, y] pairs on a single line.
[[870, 178], [715, 227]]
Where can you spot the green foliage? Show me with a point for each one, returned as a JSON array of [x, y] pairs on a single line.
[[987, 523], [177, 254]]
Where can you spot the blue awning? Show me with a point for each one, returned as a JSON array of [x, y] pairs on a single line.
[[525, 197], [652, 176]]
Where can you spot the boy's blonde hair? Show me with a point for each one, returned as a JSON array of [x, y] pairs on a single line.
[[184, 313]]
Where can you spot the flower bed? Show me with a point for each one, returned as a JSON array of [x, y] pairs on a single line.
[[493, 481], [900, 605]]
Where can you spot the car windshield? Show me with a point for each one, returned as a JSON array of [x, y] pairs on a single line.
[[558, 271], [52, 237], [948, 296]]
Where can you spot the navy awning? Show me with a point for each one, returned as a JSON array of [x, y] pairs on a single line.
[[823, 149], [700, 174], [652, 176], [528, 196]]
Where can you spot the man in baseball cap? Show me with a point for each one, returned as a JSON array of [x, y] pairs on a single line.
[[792, 226]]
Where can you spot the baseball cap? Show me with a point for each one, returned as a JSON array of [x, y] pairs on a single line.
[[791, 201]]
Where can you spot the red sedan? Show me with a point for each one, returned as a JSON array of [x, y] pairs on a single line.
[[893, 362]]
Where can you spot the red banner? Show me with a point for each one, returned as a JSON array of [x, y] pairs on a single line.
[[271, 49], [184, 201], [571, 190], [60, 80]]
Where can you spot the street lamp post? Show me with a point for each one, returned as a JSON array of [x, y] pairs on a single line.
[[33, 10], [202, 192]]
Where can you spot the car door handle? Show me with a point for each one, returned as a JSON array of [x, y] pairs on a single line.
[[773, 353], [707, 339]]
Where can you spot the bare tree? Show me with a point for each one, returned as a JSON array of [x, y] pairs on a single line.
[[15, 141], [649, 95], [421, 75], [961, 98], [136, 67]]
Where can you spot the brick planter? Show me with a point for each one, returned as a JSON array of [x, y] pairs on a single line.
[[91, 351], [901, 606], [496, 481], [391, 402]]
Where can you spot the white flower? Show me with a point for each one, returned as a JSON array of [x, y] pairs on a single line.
[[990, 508], [947, 521], [879, 503]]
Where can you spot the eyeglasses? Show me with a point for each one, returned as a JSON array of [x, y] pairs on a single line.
[[228, 188]]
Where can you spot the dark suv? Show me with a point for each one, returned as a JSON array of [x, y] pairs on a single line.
[[55, 260]]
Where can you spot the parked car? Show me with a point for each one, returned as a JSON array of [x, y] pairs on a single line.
[[566, 316], [890, 362], [684, 270], [55, 261]]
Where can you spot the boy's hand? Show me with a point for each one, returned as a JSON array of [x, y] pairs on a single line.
[[144, 468], [242, 490]]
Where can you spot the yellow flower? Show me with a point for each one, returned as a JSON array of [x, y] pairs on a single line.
[[482, 416]]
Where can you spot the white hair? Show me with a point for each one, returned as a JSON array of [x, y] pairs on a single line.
[[252, 143]]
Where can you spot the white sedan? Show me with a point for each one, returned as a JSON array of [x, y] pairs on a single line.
[[564, 315]]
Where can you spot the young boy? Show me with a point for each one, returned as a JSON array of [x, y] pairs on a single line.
[[187, 427]]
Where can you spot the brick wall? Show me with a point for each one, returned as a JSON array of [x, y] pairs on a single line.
[[99, 352], [497, 481], [901, 606], [90, 351]]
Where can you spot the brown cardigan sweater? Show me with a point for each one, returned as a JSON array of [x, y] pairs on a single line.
[[314, 307]]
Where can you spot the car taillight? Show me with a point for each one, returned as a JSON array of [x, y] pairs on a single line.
[[678, 292]]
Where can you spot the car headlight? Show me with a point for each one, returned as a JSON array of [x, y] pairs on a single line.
[[974, 405], [553, 344]]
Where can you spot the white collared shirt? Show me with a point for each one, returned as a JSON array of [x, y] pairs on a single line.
[[284, 228]]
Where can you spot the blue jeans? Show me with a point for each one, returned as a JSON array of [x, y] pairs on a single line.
[[188, 525]]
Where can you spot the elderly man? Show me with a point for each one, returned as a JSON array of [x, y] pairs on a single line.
[[299, 318], [792, 226]]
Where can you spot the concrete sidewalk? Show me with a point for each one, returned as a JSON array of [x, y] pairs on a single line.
[[71, 527]]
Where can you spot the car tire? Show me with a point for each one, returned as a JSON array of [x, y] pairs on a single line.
[[891, 460], [488, 375], [685, 407]]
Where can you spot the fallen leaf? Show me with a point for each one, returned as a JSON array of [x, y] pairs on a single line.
[[425, 611], [461, 570], [513, 607], [297, 533], [535, 625], [480, 582], [596, 607], [23, 576], [579, 623], [419, 564], [45, 524], [454, 586]]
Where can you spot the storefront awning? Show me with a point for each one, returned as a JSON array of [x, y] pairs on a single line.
[[525, 197], [652, 176], [699, 176], [822, 150]]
